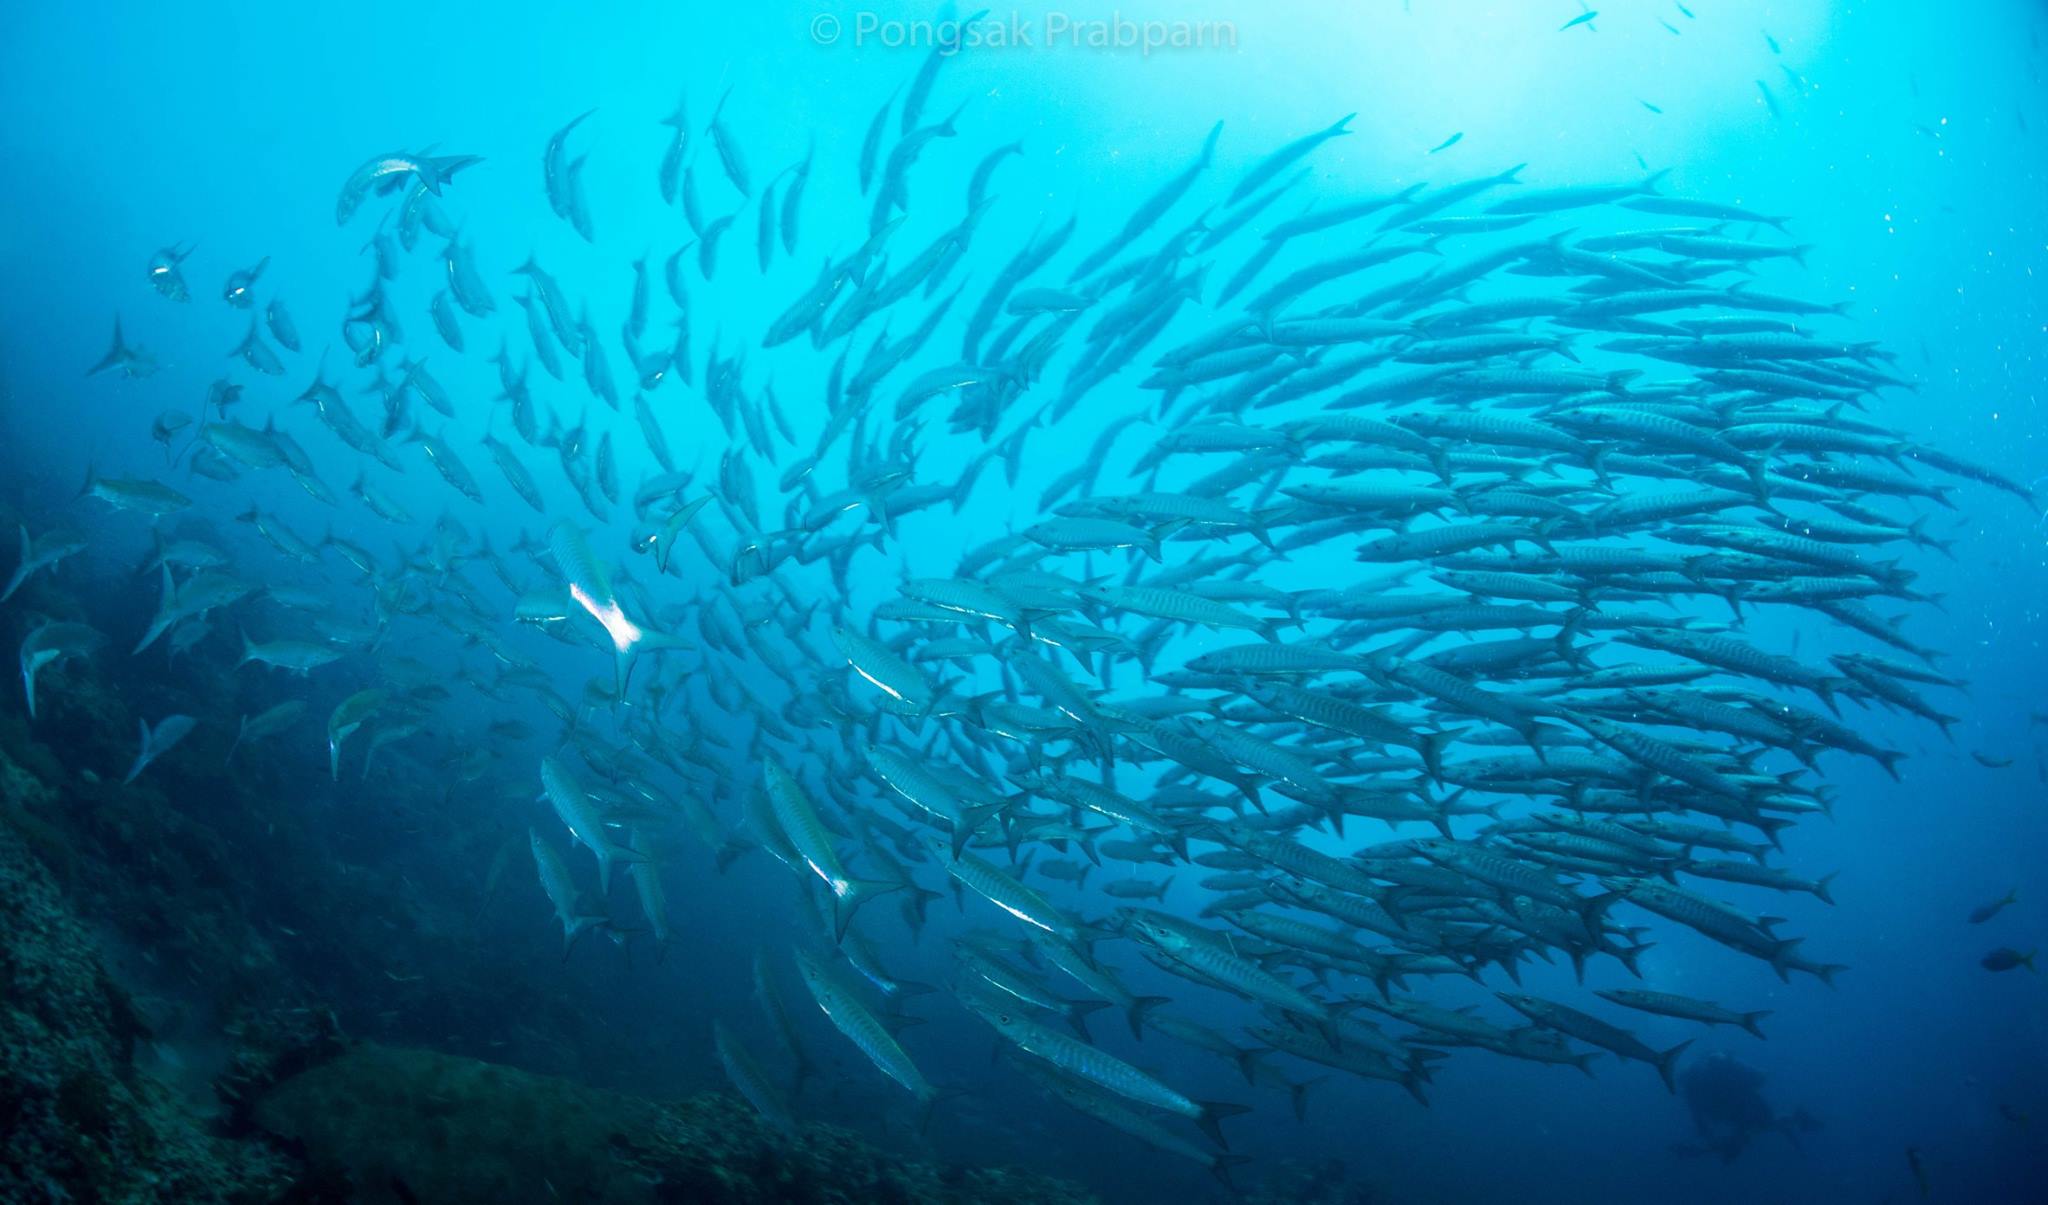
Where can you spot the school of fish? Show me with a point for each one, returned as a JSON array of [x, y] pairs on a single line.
[[1400, 611]]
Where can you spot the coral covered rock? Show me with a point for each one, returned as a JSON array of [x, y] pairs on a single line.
[[78, 1122], [410, 1125]]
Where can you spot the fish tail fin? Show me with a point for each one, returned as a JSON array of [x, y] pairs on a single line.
[[574, 928], [1077, 1016], [1751, 1022], [114, 355], [727, 854], [1220, 1166], [858, 892], [1248, 1063], [1297, 1096], [1826, 687], [656, 642], [1136, 1010], [1431, 746], [1212, 1113], [925, 1108], [1781, 953], [971, 820], [142, 759], [1567, 635], [1820, 888], [1413, 1083], [1667, 1064]]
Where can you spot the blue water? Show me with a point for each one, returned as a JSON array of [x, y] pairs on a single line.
[[1904, 142]]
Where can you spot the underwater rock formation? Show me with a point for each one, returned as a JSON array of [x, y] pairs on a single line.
[[78, 1121], [397, 1125], [81, 1121]]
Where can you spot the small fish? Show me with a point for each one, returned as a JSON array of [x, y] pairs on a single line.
[[1584, 18], [348, 716], [1138, 889], [753, 1083], [871, 143], [237, 291], [678, 148], [186, 636], [578, 811], [797, 818], [166, 275], [861, 1026], [1448, 143], [579, 202], [589, 583], [1770, 102], [37, 556], [1985, 912], [222, 394], [50, 643], [158, 741], [392, 167], [300, 657], [555, 167], [282, 328], [133, 493], [446, 324], [253, 351], [132, 361], [730, 154], [2005, 958], [1273, 164], [266, 723], [167, 427], [560, 886]]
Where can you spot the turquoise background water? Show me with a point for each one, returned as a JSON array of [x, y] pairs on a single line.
[[1906, 146]]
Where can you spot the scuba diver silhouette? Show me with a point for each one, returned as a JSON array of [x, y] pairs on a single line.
[[1728, 1108]]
